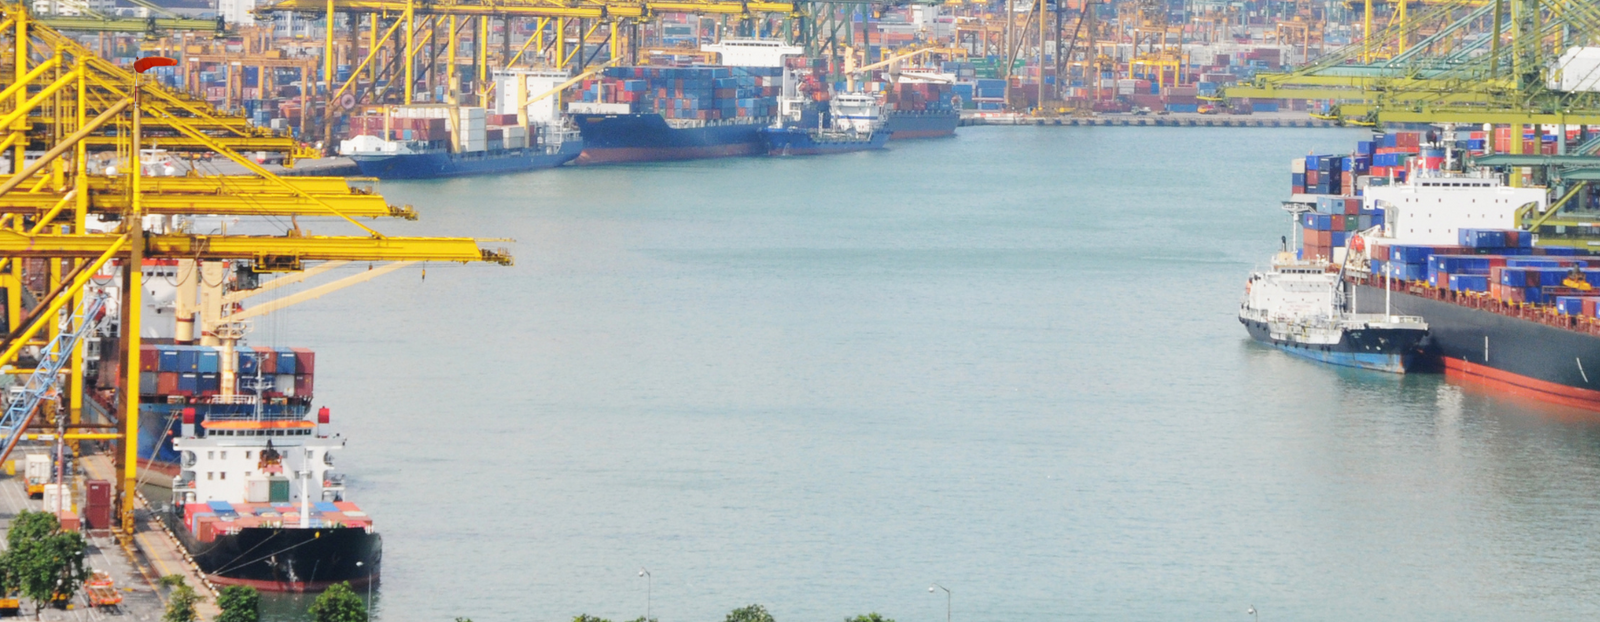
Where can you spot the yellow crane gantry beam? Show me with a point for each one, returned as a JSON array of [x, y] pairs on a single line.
[[531, 8], [266, 250]]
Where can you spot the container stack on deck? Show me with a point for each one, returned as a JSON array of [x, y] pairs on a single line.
[[193, 373], [213, 518], [701, 93]]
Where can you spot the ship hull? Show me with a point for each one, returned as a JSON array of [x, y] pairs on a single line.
[[793, 142], [286, 560], [440, 164], [1511, 354], [932, 124], [1378, 349], [620, 138]]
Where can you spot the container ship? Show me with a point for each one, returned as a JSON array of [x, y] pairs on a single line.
[[257, 503], [426, 142], [255, 498], [645, 114], [922, 110], [1445, 245]]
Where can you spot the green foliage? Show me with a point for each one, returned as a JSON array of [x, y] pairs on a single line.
[[642, 619], [171, 580], [239, 603], [42, 561], [463, 619], [753, 613], [871, 617], [180, 606], [584, 617], [338, 604]]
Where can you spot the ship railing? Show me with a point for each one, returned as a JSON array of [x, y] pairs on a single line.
[[237, 398]]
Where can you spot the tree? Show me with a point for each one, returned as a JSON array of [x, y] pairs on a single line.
[[584, 617], [338, 604], [43, 562], [870, 617], [753, 613], [180, 606], [239, 603], [642, 619]]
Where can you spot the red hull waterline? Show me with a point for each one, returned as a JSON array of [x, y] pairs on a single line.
[[1517, 384], [904, 134], [289, 586], [654, 154]]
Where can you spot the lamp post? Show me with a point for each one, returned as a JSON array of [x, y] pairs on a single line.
[[648, 580], [369, 593], [946, 600]]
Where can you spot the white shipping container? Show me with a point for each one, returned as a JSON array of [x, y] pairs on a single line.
[[283, 383], [1297, 165]]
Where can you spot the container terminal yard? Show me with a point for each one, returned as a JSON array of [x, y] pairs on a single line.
[[162, 158]]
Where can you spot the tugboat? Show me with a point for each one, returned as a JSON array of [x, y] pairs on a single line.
[[850, 122], [257, 503], [1301, 307]]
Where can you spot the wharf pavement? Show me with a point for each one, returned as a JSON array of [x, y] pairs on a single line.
[[135, 569], [1176, 119]]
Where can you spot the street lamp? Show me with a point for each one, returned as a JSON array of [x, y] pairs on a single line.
[[369, 593], [648, 579], [946, 600], [1252, 611]]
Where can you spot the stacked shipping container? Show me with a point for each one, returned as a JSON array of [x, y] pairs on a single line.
[[703, 93], [194, 372]]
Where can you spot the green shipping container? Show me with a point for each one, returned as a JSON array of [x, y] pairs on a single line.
[[278, 492]]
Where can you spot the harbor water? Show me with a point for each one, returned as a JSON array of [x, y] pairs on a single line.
[[1007, 363]]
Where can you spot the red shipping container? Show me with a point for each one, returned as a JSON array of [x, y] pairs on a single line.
[[98, 493], [303, 385], [267, 360], [1338, 223], [167, 383], [1311, 178], [206, 528], [98, 516], [69, 521], [148, 358]]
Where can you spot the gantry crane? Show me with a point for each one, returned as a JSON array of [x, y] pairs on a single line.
[[60, 108]]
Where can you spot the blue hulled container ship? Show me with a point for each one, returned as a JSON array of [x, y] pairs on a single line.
[[435, 162], [904, 124], [649, 113], [616, 138]]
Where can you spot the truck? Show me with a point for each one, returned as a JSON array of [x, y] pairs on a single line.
[[36, 474]]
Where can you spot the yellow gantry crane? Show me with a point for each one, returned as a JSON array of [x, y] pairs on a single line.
[[402, 41], [76, 201]]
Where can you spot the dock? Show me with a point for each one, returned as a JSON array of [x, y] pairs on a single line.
[[1184, 119], [136, 568]]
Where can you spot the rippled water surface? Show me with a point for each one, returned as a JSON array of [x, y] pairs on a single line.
[[1007, 363]]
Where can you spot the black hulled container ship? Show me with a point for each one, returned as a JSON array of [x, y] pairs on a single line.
[[255, 498], [1447, 246], [257, 503]]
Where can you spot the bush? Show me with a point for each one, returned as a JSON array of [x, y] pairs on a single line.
[[753, 613], [338, 604], [239, 603], [870, 617], [41, 561], [180, 607]]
